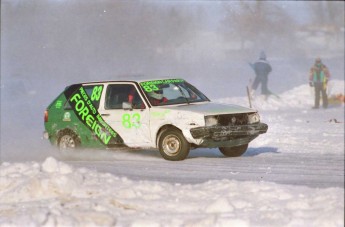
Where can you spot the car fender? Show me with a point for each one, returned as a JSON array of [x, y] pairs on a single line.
[[162, 118]]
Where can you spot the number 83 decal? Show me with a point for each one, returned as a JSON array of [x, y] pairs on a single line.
[[131, 120]]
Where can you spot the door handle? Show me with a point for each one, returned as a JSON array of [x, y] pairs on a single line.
[[105, 115]]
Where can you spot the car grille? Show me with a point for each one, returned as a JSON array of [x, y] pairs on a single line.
[[232, 119]]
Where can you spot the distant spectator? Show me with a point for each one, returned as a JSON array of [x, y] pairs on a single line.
[[318, 78], [261, 68]]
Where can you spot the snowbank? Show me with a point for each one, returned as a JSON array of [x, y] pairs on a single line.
[[53, 193], [298, 97]]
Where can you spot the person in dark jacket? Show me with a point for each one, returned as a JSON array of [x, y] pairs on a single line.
[[318, 78], [261, 68]]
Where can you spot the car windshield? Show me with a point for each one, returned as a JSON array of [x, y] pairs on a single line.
[[171, 92]]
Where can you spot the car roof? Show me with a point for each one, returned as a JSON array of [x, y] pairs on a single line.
[[129, 79]]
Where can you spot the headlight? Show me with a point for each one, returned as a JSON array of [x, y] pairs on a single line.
[[211, 121], [253, 118]]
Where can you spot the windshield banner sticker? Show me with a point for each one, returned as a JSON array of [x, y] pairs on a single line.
[[87, 113], [150, 86]]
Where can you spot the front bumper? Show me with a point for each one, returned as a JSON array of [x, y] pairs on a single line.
[[219, 132], [232, 135]]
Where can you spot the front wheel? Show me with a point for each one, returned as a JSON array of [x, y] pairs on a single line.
[[233, 151], [173, 146]]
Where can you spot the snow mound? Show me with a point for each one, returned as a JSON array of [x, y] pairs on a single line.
[[53, 193], [300, 97]]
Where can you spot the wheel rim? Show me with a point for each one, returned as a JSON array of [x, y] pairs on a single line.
[[66, 142], [171, 145]]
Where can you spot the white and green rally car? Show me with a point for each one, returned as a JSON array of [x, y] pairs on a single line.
[[168, 114]]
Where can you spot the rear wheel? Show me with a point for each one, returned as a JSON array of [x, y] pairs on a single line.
[[234, 151], [68, 140], [173, 146]]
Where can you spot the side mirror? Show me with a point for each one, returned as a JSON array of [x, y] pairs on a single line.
[[127, 106]]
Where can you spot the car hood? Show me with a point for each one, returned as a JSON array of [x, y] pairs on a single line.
[[211, 108]]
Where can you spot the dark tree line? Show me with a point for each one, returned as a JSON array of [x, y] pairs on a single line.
[[85, 36], [110, 37], [267, 24]]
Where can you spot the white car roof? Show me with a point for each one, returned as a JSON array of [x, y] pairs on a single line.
[[130, 79]]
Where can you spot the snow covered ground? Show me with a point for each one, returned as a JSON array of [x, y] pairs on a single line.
[[291, 176], [56, 194]]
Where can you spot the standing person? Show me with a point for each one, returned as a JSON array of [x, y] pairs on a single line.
[[318, 78], [261, 68]]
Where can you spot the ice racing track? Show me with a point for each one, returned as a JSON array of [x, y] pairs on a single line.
[[298, 149], [258, 164], [301, 147]]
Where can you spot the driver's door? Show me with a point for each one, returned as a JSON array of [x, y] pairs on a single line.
[[124, 110]]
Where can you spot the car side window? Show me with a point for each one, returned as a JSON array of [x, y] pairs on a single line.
[[117, 94]]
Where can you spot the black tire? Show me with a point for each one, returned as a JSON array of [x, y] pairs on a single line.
[[234, 151], [67, 140], [173, 146]]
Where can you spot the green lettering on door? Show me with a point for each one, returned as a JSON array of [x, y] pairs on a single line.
[[129, 121]]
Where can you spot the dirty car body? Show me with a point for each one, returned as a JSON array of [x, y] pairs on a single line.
[[168, 114]]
